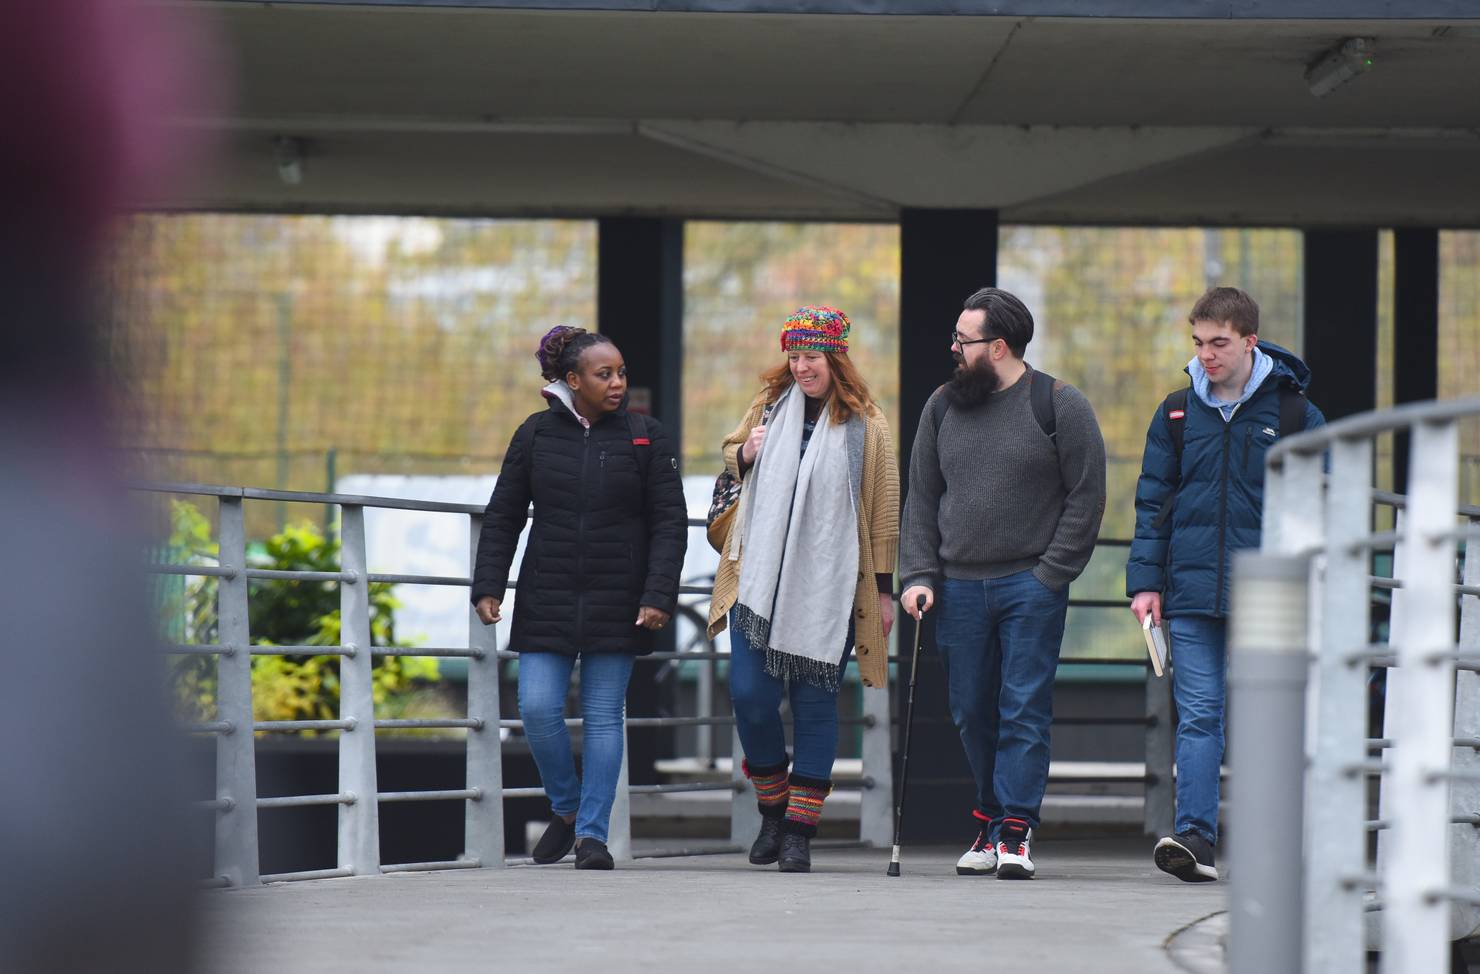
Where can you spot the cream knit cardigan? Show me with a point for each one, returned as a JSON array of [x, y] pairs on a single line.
[[878, 541]]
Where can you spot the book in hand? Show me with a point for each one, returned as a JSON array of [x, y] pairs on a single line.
[[1156, 645]]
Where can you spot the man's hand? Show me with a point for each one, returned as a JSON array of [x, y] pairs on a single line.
[[651, 618], [751, 448], [912, 595], [1144, 603], [886, 611], [488, 610]]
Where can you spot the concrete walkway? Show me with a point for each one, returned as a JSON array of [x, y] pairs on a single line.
[[1097, 905]]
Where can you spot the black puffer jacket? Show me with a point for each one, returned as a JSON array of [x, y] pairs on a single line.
[[600, 546]]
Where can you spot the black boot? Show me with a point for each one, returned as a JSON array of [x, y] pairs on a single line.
[[799, 828], [796, 853], [767, 846], [772, 793]]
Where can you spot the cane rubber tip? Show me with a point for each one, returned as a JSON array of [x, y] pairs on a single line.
[[893, 869]]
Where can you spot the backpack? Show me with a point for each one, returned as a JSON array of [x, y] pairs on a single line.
[[1041, 395], [1174, 413]]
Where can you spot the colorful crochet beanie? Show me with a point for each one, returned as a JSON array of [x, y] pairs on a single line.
[[816, 329]]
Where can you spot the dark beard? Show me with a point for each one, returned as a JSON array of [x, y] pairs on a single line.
[[972, 386]]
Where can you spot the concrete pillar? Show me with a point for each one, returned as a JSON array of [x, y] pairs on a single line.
[[1341, 319], [944, 256], [639, 305], [1415, 327]]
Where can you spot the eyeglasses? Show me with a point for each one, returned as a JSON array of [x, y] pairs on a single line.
[[956, 339]]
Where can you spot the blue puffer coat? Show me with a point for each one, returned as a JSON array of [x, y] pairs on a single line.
[[1218, 494]]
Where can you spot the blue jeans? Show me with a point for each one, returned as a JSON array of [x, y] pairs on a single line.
[[1199, 660], [756, 697], [544, 683], [999, 640]]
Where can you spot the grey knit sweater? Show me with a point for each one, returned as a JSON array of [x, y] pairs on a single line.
[[990, 494]]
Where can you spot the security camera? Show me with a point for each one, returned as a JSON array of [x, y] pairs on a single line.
[[288, 153], [1341, 64]]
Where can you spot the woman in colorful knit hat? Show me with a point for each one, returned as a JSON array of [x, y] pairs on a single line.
[[806, 574]]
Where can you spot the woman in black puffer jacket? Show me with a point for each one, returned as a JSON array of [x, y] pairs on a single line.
[[599, 575]]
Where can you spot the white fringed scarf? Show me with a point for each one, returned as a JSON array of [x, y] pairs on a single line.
[[799, 529]]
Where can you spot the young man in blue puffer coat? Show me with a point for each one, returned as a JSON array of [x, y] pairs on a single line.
[[1200, 498]]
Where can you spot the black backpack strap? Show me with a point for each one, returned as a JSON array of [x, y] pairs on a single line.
[[939, 408], [1174, 414], [642, 445], [1292, 411], [1041, 393]]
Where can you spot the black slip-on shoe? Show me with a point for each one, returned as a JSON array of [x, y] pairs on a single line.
[[556, 843], [591, 854]]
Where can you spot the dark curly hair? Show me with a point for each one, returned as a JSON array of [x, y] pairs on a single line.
[[560, 350]]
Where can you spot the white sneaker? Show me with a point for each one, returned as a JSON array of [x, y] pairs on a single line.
[[980, 859], [1014, 853]]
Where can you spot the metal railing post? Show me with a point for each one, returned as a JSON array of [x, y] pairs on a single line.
[[359, 821], [1416, 922], [1392, 676], [1274, 497], [1301, 505], [1266, 679], [704, 707], [1301, 532], [619, 834], [1159, 811], [236, 758], [876, 804], [1464, 794], [745, 817], [1334, 939], [483, 822]]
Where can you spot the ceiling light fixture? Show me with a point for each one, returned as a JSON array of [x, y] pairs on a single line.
[[1341, 64]]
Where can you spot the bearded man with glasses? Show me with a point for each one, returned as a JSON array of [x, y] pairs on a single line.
[[1006, 493]]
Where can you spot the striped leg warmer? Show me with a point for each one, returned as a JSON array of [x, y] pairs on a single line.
[[805, 807], [771, 789]]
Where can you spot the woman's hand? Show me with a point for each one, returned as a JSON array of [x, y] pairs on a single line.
[[886, 611], [488, 610], [751, 448], [651, 618]]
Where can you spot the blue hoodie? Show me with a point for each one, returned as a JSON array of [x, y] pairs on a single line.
[[1217, 493], [1203, 386]]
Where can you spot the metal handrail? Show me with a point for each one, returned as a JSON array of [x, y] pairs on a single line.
[[1399, 501], [1368, 425], [1318, 544], [358, 821]]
